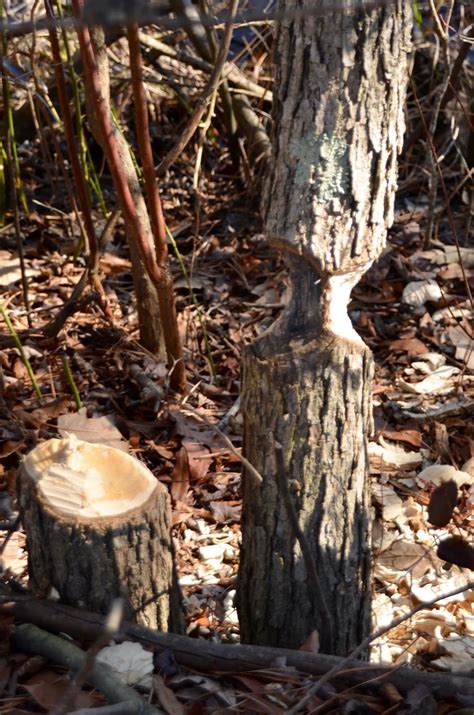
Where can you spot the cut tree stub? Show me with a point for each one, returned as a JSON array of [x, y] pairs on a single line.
[[307, 385], [97, 524]]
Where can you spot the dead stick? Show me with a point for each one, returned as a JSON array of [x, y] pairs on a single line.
[[367, 641], [111, 150], [111, 627], [208, 90], [77, 169], [206, 656], [235, 76], [31, 639]]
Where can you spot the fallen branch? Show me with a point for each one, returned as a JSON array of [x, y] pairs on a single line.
[[215, 657], [81, 676], [207, 92], [344, 662], [31, 639], [125, 708]]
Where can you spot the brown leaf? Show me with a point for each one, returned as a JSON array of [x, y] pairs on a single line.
[[224, 512], [412, 346], [92, 429], [311, 644], [198, 459], [48, 689], [168, 700], [457, 551], [407, 436], [43, 414], [188, 426], [442, 502], [180, 476]]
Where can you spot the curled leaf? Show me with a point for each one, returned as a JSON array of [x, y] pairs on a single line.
[[457, 551], [442, 502]]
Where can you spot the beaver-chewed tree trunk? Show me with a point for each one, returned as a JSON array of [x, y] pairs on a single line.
[[97, 524], [338, 125]]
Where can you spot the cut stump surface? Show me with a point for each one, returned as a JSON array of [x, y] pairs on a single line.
[[97, 524]]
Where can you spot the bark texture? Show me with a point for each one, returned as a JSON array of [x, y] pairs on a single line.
[[148, 308], [339, 98], [338, 127], [91, 561]]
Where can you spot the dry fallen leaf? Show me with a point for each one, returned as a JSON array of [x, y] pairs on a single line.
[[455, 550], [407, 436], [98, 430], [311, 644], [168, 700], [48, 689], [442, 503], [180, 476], [412, 346]]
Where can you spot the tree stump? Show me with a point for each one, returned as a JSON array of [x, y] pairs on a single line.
[[97, 524]]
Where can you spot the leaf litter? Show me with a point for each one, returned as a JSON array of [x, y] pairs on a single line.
[[414, 313]]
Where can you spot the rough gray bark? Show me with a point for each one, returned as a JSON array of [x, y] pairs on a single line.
[[338, 125], [92, 560]]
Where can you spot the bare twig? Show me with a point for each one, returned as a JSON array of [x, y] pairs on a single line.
[[77, 169], [367, 641], [128, 707], [31, 639], [110, 148], [235, 76], [111, 628], [444, 40], [147, 17], [207, 92], [248, 466], [210, 657], [449, 212]]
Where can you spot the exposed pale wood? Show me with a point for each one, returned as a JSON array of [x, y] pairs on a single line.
[[97, 524]]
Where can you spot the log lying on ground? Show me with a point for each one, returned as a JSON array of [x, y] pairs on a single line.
[[97, 524], [214, 657], [30, 639]]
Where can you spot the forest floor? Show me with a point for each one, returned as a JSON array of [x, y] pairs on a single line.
[[414, 309]]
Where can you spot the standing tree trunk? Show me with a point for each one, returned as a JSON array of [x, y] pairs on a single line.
[[149, 318], [338, 125]]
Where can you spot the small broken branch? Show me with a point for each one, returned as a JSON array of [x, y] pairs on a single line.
[[111, 627], [77, 169], [234, 75], [206, 656], [29, 638], [207, 92]]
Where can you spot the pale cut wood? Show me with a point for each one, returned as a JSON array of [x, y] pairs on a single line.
[[97, 524]]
